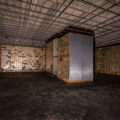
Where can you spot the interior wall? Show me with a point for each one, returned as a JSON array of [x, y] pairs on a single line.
[[17, 58], [52, 56], [49, 57], [55, 56], [0, 57], [108, 60], [63, 57]]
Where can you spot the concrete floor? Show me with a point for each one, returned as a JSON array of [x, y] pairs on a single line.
[[36, 96]]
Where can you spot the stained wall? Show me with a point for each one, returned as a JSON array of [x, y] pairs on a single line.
[[63, 57], [49, 57], [107, 60], [16, 58], [0, 57]]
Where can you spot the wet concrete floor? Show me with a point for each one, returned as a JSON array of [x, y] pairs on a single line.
[[37, 96]]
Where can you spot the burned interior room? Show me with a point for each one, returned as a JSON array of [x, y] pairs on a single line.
[[59, 59]]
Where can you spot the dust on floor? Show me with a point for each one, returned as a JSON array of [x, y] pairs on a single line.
[[37, 96]]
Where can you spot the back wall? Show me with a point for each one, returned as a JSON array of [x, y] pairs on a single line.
[[17, 58]]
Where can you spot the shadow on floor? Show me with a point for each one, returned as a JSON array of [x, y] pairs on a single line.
[[37, 96]]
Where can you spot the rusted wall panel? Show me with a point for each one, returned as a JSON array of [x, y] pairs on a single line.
[[40, 59], [63, 57], [49, 57], [16, 58], [107, 60]]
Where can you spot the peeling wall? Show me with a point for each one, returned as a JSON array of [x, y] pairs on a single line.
[[107, 60], [16, 58]]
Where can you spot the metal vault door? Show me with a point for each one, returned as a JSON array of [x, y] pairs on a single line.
[[81, 57]]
